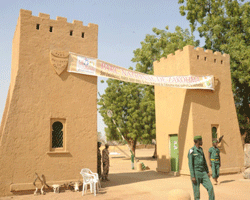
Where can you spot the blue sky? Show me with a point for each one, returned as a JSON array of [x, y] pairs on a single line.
[[123, 24]]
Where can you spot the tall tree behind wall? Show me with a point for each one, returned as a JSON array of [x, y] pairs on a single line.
[[132, 104], [225, 25], [154, 47], [123, 99]]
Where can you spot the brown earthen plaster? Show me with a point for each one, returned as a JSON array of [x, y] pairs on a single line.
[[193, 112], [38, 94]]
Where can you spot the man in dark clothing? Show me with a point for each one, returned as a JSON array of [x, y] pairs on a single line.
[[99, 160], [105, 161]]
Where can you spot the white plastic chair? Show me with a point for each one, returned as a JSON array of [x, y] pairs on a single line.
[[89, 179], [88, 171]]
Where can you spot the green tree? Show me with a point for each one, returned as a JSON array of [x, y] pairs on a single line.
[[225, 26], [154, 47], [132, 104], [123, 99]]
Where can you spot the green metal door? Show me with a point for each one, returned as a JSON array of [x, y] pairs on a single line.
[[174, 152]]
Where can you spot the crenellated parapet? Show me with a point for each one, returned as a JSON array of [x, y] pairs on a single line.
[[44, 97], [200, 54], [208, 56], [182, 114], [195, 61], [60, 26]]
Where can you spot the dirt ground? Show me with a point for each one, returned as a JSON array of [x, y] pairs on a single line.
[[126, 183]]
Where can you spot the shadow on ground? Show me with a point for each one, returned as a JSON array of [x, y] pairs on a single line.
[[146, 158], [128, 178], [227, 181], [138, 158]]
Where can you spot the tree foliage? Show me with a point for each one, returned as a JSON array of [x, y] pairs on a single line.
[[133, 104], [124, 100], [225, 26]]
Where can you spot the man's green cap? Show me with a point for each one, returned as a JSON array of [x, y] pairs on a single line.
[[197, 137], [215, 141]]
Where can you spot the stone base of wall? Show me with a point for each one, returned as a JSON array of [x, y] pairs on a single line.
[[165, 170], [16, 187]]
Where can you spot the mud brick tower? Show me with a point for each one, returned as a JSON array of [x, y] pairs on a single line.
[[49, 124], [181, 114]]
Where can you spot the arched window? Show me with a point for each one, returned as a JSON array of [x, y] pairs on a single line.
[[57, 134], [214, 132]]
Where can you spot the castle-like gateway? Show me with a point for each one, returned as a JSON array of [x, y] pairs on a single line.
[[49, 125], [181, 114]]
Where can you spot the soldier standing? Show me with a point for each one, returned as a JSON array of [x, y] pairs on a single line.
[[199, 170], [214, 155], [99, 160], [105, 161]]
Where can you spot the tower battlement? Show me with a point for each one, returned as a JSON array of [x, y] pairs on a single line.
[[208, 56], [58, 18], [198, 54], [195, 61], [181, 114], [60, 25], [43, 95]]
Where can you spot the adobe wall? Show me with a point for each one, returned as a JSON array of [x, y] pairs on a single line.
[[170, 107], [217, 108], [38, 95], [193, 112]]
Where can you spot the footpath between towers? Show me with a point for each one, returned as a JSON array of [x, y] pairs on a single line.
[[126, 183]]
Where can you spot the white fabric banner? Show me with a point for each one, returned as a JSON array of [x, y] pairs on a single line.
[[94, 67]]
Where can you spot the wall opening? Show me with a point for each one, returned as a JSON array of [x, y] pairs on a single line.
[[37, 26], [215, 131], [57, 127], [82, 34], [71, 33], [174, 152], [57, 134], [50, 28]]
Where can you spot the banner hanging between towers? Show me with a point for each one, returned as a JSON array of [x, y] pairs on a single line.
[[94, 67]]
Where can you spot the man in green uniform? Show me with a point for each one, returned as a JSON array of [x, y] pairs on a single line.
[[214, 155], [199, 169]]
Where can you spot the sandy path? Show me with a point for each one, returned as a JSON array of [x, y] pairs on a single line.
[[126, 183]]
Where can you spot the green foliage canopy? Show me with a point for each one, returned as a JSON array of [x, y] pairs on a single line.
[[133, 104], [225, 26]]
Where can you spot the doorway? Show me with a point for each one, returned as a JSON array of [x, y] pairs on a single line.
[[174, 153]]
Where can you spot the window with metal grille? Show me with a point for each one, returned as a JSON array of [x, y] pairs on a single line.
[[57, 134]]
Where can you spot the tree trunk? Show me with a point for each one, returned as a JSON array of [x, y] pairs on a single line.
[[243, 138], [133, 146]]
